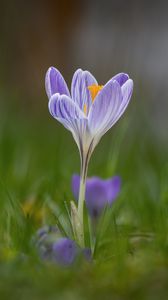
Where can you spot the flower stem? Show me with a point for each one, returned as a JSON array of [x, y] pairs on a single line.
[[82, 188]]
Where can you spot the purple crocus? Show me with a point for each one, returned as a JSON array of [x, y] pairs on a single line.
[[89, 111], [64, 251], [54, 247], [99, 192]]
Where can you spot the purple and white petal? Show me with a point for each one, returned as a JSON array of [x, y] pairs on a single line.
[[121, 78], [79, 88], [126, 90], [55, 83], [105, 107], [63, 109], [53, 106]]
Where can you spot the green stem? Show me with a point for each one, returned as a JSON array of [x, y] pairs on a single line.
[[83, 175]]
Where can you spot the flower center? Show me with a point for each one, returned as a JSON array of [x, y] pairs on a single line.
[[94, 89]]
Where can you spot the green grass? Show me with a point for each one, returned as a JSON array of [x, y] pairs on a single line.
[[37, 159]]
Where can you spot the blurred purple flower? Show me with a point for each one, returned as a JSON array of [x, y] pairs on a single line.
[[64, 251], [99, 192], [90, 110], [55, 248]]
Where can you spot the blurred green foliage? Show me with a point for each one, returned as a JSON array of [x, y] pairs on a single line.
[[37, 159]]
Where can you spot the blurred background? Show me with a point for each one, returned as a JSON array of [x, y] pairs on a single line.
[[104, 37]]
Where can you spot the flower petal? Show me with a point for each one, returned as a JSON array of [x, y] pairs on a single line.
[[64, 251], [113, 187], [55, 83], [79, 88], [126, 90], [99, 192], [63, 109], [96, 196], [105, 107], [121, 78]]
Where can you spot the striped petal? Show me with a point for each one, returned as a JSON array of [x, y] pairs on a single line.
[[121, 78], [105, 107], [79, 88], [126, 90], [55, 83], [63, 109]]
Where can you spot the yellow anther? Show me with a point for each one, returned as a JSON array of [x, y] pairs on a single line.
[[85, 109], [94, 89]]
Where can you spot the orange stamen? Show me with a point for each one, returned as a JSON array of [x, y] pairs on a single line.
[[94, 89], [85, 109]]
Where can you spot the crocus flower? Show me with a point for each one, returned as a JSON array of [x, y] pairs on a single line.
[[89, 111], [64, 251], [99, 192], [54, 247]]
